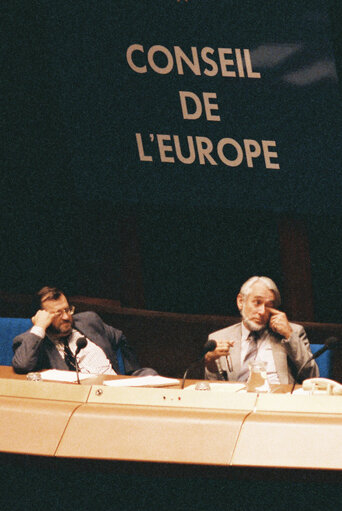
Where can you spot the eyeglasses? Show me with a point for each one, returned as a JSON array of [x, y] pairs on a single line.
[[68, 310]]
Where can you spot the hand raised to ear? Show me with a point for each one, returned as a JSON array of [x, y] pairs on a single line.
[[43, 318]]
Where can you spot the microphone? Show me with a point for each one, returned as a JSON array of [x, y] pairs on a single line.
[[209, 346], [80, 344], [224, 373], [329, 344]]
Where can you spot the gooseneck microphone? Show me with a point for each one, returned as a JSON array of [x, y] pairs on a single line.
[[80, 344], [209, 346], [329, 344]]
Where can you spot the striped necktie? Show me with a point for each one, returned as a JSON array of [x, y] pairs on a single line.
[[250, 355], [69, 357]]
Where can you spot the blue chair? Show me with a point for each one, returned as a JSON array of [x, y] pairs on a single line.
[[323, 361], [9, 328], [120, 361]]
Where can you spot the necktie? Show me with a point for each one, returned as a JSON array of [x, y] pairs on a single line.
[[250, 355], [68, 356]]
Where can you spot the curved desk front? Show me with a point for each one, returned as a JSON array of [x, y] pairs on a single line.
[[169, 425]]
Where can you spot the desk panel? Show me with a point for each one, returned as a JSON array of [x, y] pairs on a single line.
[[34, 415], [147, 433], [292, 431], [32, 426], [165, 425], [44, 390], [178, 398]]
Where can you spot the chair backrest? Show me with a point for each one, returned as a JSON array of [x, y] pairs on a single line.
[[120, 361], [9, 328], [323, 361]]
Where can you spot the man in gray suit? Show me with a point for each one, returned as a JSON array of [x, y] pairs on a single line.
[[265, 334], [54, 338]]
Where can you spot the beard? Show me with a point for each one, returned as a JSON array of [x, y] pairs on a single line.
[[59, 332], [250, 324]]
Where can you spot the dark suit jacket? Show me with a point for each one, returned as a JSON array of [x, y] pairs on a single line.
[[31, 353]]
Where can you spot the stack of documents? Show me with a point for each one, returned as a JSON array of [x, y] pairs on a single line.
[[142, 381], [139, 381]]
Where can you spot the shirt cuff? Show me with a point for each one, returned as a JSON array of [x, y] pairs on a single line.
[[38, 330]]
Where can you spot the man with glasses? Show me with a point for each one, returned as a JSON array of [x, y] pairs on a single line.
[[53, 340]]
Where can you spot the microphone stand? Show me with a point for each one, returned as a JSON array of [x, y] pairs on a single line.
[[210, 345], [77, 371], [188, 369], [81, 343], [300, 370]]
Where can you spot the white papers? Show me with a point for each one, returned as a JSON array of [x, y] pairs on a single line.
[[64, 376], [142, 381], [139, 381]]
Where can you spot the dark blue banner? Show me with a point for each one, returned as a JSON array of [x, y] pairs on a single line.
[[230, 103]]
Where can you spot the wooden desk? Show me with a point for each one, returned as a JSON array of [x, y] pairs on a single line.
[[124, 423], [9, 373], [169, 424], [139, 448]]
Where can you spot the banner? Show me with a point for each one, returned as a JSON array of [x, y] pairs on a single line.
[[196, 102]]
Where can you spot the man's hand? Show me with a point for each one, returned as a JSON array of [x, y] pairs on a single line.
[[222, 349], [43, 318], [279, 323]]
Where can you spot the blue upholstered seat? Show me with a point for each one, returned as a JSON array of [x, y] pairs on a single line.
[[9, 328], [323, 362]]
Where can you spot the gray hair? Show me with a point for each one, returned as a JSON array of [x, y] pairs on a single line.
[[247, 286]]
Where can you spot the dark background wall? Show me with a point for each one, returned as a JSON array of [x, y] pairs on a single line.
[[178, 257]]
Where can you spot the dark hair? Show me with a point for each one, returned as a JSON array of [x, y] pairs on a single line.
[[45, 293]]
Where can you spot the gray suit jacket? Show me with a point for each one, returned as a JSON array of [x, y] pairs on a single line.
[[289, 354], [31, 353]]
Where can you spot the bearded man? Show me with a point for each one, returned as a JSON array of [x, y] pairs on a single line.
[[52, 341], [265, 334]]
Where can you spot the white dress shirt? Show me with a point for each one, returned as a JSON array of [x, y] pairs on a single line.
[[264, 353], [91, 359]]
